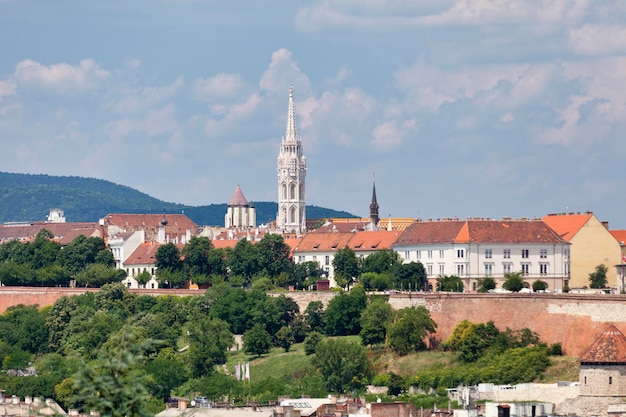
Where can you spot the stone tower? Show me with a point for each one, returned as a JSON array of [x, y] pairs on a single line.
[[374, 207], [291, 170]]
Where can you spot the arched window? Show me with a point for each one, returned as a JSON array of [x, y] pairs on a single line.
[[284, 191], [301, 194], [292, 215], [292, 191]]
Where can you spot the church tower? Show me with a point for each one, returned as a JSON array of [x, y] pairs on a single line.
[[374, 207], [291, 169]]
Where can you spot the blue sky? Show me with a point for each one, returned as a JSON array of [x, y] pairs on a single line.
[[502, 108]]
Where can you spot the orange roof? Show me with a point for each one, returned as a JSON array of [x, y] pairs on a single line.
[[480, 230], [323, 241], [143, 255], [609, 348], [567, 225], [139, 221], [61, 231], [619, 235], [373, 240]]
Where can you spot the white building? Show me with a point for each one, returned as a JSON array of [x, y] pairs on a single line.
[[291, 170], [241, 214], [477, 248]]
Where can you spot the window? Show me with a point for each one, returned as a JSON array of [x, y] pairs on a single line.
[[566, 253], [525, 253], [525, 269], [506, 268], [429, 268], [488, 270], [430, 254], [407, 255], [543, 253], [418, 254], [507, 254], [314, 258], [543, 269], [442, 268], [460, 253], [327, 260], [300, 258], [488, 253], [474, 286], [440, 253], [610, 380], [460, 270]]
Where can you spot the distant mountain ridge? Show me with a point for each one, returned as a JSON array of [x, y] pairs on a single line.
[[29, 197]]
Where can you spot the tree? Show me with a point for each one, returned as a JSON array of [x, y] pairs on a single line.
[[284, 338], [514, 281], [168, 372], [143, 278], [243, 260], [409, 328], [449, 283], [346, 266], [598, 278], [540, 286], [287, 308], [343, 364], [257, 341], [411, 276], [209, 340], [343, 314], [306, 274], [196, 256], [167, 257], [81, 252], [486, 284], [273, 255], [374, 321], [314, 316], [96, 275], [114, 383], [311, 342], [384, 260]]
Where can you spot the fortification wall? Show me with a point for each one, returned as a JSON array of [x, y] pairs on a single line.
[[574, 320]]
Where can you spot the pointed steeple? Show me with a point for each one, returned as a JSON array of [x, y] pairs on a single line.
[[374, 206], [291, 134], [238, 199]]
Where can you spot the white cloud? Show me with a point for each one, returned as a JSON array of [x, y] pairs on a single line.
[[284, 70], [156, 122], [6, 88], [390, 135], [62, 77], [135, 99], [231, 116], [598, 40], [220, 86]]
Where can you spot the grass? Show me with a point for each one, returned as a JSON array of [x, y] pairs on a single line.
[[277, 363]]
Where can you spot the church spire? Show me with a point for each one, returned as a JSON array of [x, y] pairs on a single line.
[[374, 206], [291, 134]]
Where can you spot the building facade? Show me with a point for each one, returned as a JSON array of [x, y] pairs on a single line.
[[240, 214], [291, 170], [476, 248]]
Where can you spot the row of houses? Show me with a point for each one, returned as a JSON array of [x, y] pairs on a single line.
[[559, 249]]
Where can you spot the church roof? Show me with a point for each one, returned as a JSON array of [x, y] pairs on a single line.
[[609, 348], [238, 199]]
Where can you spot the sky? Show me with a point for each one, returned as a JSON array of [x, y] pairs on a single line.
[[455, 108]]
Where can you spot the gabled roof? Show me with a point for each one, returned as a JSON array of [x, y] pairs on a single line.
[[619, 235], [478, 231], [567, 225], [139, 221], [143, 255], [373, 240], [323, 241], [609, 348], [61, 231], [238, 199]]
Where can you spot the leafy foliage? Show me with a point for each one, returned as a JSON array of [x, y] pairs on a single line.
[[344, 365], [486, 284], [409, 329], [514, 281], [450, 283], [598, 279]]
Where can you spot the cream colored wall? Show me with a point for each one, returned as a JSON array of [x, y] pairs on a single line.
[[591, 246]]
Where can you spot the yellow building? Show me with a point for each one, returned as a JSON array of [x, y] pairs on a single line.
[[591, 244]]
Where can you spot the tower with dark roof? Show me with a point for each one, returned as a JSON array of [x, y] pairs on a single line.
[[374, 207], [291, 170], [241, 213]]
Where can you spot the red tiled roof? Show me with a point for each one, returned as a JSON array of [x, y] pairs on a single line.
[[459, 231], [323, 241], [143, 255], [609, 348], [619, 235], [373, 240], [58, 230], [567, 225], [238, 199], [139, 221]]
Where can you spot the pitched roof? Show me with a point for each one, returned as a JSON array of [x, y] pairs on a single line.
[[373, 240], [478, 231], [323, 241], [238, 199], [619, 235], [609, 348], [61, 231], [567, 225], [143, 255], [140, 221]]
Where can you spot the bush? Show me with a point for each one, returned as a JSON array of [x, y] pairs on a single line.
[[311, 342]]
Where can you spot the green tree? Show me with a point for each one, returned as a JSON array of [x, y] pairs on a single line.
[[257, 341], [81, 252], [209, 340], [168, 257], [243, 260], [374, 321], [143, 278], [598, 279], [24, 328], [306, 274], [311, 342], [344, 365], [284, 338], [384, 260], [409, 329], [449, 283], [114, 383], [513, 281], [540, 286], [168, 372], [273, 255], [96, 275], [343, 314], [314, 316], [486, 284], [196, 256], [346, 266], [411, 276]]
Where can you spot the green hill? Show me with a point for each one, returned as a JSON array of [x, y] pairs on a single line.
[[27, 197]]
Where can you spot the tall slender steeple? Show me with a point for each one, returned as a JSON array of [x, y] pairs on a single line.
[[291, 170], [374, 207]]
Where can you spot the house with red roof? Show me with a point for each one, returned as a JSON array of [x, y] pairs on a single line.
[[476, 248], [591, 244]]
